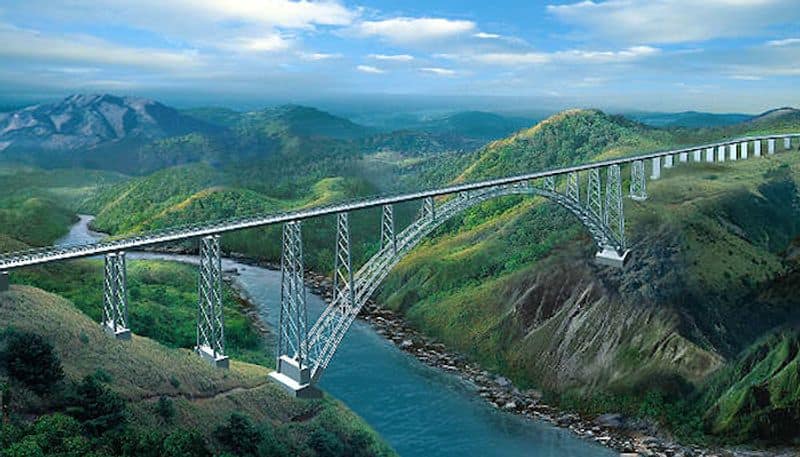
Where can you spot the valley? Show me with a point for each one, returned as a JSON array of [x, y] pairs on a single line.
[[696, 340]]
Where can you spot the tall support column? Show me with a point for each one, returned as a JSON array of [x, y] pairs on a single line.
[[115, 297], [614, 252], [668, 161], [757, 148], [683, 157], [428, 209], [210, 318], [721, 154], [638, 181], [388, 237], [696, 155], [3, 281], [594, 194], [343, 289], [292, 370], [771, 146], [710, 155], [574, 186], [743, 150], [549, 183], [732, 151], [656, 168], [787, 143]]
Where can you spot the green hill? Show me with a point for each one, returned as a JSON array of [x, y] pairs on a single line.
[[157, 400]]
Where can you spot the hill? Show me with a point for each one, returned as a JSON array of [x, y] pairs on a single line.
[[690, 119], [156, 398], [511, 282]]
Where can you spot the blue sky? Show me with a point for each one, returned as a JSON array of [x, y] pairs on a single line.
[[713, 55]]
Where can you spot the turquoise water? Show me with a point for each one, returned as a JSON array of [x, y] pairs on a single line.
[[419, 411]]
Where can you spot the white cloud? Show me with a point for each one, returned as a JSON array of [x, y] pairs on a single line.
[[269, 43], [370, 69], [576, 56], [675, 21], [393, 57], [439, 71], [628, 54], [487, 36], [410, 30], [283, 13], [512, 58], [784, 42], [32, 45], [747, 77], [318, 56]]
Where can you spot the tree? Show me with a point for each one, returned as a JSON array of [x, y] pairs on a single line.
[[97, 407], [186, 443], [30, 360], [165, 409], [239, 435]]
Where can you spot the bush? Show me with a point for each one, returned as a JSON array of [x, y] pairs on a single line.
[[30, 360], [165, 409], [97, 407], [184, 443], [239, 435]]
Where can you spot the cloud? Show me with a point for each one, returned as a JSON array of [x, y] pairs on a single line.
[[283, 13], [31, 45], [487, 36], [318, 56], [370, 69], [784, 42], [411, 30], [675, 21], [269, 43], [574, 56], [439, 71], [392, 58]]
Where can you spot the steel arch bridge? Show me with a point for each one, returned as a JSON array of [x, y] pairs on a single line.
[[304, 351]]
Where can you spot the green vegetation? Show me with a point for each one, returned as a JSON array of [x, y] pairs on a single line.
[[141, 398]]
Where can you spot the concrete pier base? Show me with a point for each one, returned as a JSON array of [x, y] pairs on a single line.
[[787, 143], [732, 151], [120, 333], [295, 379], [710, 155], [668, 161], [743, 150], [4, 281], [656, 168], [770, 147], [757, 148], [683, 157], [721, 154], [216, 360], [697, 155], [611, 258]]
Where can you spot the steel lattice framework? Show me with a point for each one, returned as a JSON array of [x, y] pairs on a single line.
[[115, 293], [293, 319], [613, 217], [638, 181], [388, 237], [210, 319]]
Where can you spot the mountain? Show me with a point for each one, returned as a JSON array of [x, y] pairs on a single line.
[[475, 124], [81, 122], [691, 119]]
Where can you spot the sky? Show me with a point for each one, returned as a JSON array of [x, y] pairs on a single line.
[[652, 55]]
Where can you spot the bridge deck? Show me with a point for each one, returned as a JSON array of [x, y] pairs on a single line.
[[19, 259]]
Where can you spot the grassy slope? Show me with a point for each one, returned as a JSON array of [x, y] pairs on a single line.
[[142, 370], [492, 283]]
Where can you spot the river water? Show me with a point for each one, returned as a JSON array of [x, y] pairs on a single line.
[[419, 410]]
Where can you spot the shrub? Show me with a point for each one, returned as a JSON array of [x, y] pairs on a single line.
[[97, 407], [184, 443], [165, 409], [30, 360], [239, 435]]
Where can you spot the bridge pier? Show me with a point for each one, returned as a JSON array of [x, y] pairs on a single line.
[[613, 251], [668, 161], [710, 155], [771, 146], [4, 281], [656, 168], [638, 188], [743, 150], [787, 143], [732, 151], [683, 157], [594, 194], [721, 154], [210, 318], [696, 155], [574, 186], [115, 297], [292, 371], [388, 237], [757, 148]]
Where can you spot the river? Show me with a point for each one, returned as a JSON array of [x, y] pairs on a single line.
[[419, 410]]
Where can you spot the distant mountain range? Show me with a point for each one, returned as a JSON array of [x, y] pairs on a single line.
[[690, 119]]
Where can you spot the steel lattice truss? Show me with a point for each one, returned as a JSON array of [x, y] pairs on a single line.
[[327, 333], [293, 320], [387, 228], [210, 320], [638, 181], [115, 293], [343, 291], [614, 218]]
